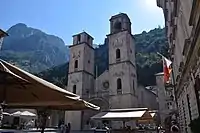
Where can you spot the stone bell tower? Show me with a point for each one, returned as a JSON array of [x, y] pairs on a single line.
[[81, 75], [122, 66]]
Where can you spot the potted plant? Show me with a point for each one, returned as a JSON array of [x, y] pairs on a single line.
[[195, 125]]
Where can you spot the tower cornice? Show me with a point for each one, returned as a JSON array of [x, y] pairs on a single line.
[[82, 71], [120, 62], [81, 44]]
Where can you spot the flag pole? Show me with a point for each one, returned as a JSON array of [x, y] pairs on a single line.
[[173, 78], [160, 54]]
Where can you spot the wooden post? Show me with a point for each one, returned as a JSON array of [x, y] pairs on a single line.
[[43, 116]]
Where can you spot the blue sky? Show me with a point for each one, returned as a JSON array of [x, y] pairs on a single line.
[[64, 18]]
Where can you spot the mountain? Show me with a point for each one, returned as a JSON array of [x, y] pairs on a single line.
[[33, 50], [47, 55], [148, 62]]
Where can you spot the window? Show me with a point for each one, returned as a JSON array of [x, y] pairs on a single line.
[[118, 56], [119, 86], [79, 38], [87, 91], [76, 64], [118, 26], [171, 38], [74, 89], [174, 32], [133, 86], [166, 14], [169, 105], [175, 8], [88, 39]]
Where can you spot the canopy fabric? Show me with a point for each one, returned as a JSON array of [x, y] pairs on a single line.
[[77, 104], [27, 113], [18, 113], [33, 90], [127, 115], [21, 89], [23, 114], [5, 113], [10, 75]]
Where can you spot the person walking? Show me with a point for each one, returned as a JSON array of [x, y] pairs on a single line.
[[62, 128], [68, 128]]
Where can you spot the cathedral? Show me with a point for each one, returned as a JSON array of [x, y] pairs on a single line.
[[116, 88]]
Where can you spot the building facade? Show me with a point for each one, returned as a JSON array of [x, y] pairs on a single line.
[[166, 100], [116, 88], [182, 29], [2, 35], [147, 98]]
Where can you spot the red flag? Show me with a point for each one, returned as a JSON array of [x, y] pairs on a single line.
[[166, 69]]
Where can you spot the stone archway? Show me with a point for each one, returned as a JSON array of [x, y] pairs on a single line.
[[103, 104]]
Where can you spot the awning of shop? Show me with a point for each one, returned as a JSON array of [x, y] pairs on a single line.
[[123, 115], [20, 89], [153, 114]]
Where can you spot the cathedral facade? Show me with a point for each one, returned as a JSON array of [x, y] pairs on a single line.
[[114, 88]]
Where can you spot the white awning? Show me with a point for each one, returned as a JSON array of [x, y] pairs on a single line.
[[126, 115], [23, 114], [18, 113], [152, 114], [5, 113], [27, 113]]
